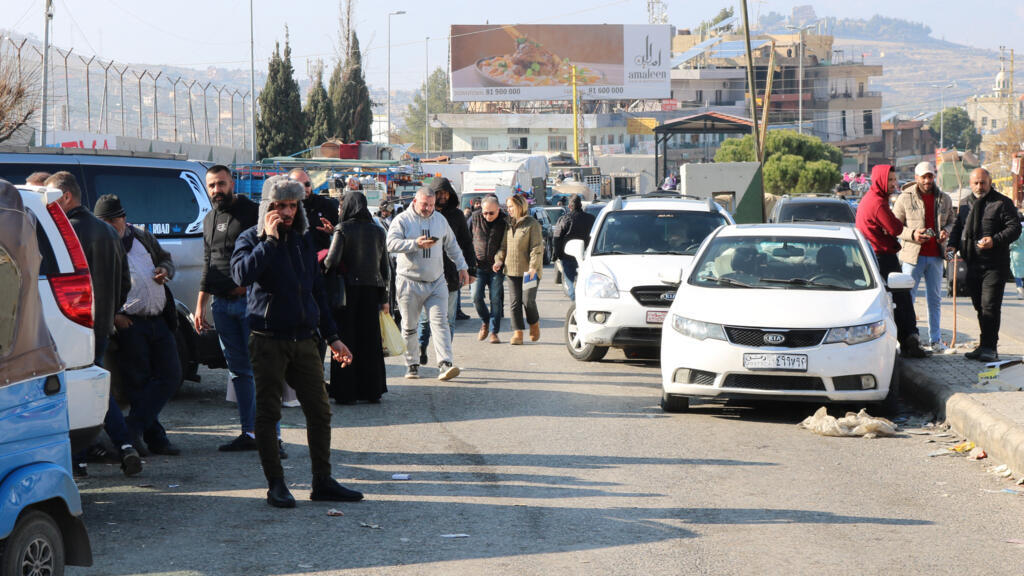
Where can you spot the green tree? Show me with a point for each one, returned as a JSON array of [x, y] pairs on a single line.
[[794, 163], [439, 103], [354, 111], [959, 130], [279, 122], [334, 94], [319, 114]]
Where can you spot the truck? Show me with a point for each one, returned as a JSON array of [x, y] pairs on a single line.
[[504, 174]]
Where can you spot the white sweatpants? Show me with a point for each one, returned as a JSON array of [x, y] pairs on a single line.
[[413, 296]]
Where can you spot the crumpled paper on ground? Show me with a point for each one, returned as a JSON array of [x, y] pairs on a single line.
[[859, 424]]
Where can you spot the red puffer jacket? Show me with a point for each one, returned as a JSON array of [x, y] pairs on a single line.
[[874, 216]]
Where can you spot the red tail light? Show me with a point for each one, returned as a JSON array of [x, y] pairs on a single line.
[[73, 291]]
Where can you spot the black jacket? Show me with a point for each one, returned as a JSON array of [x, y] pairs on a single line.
[[221, 228], [573, 225], [457, 220], [991, 215], [286, 297], [487, 237], [318, 206], [161, 258], [359, 250], [108, 266]]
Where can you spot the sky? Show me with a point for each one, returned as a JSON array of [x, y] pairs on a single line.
[[199, 34]]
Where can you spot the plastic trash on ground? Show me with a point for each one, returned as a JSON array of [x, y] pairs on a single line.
[[859, 424]]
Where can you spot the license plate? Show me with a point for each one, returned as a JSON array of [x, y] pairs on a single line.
[[791, 362], [656, 316]]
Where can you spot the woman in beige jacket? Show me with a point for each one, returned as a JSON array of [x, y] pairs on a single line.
[[521, 252]]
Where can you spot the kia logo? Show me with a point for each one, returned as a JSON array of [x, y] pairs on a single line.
[[774, 338], [668, 296]]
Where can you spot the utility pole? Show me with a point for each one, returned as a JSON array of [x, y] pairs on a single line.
[[750, 80], [46, 68], [252, 84], [800, 79]]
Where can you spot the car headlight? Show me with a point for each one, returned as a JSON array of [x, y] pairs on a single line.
[[601, 286], [856, 334], [696, 329]]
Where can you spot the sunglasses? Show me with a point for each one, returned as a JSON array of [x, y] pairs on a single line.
[[489, 213]]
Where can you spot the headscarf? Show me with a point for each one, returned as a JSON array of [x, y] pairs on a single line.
[[353, 207]]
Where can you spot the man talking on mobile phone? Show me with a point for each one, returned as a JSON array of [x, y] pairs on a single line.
[[276, 260]]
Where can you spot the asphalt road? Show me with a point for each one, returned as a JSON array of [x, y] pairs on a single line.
[[550, 466]]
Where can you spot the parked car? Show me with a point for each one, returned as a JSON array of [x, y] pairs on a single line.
[[620, 300], [775, 311], [162, 193], [41, 528], [547, 227], [813, 209], [65, 289]]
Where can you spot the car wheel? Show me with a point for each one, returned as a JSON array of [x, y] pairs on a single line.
[[577, 349], [35, 546], [674, 403], [891, 405]]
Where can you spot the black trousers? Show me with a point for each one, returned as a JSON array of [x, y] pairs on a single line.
[[903, 314], [986, 287], [522, 299], [274, 362]]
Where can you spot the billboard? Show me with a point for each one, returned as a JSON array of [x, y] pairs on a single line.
[[535, 62]]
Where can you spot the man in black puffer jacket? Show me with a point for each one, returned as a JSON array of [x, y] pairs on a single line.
[[573, 225], [448, 206], [488, 226]]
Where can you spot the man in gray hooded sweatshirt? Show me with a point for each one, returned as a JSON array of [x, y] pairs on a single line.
[[417, 236]]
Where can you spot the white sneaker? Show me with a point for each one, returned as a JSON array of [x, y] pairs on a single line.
[[938, 347]]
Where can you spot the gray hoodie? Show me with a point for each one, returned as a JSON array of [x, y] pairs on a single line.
[[422, 264]]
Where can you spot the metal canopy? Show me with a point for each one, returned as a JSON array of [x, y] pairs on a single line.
[[703, 123]]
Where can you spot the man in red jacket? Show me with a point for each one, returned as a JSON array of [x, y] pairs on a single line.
[[881, 227]]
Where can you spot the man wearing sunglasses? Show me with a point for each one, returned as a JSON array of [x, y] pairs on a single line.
[[321, 211], [488, 226]]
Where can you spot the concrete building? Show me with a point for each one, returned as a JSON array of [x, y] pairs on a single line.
[[994, 111]]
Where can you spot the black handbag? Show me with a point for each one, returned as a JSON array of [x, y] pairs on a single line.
[[336, 290]]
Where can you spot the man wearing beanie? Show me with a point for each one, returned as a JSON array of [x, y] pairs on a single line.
[[147, 352], [276, 261], [417, 235]]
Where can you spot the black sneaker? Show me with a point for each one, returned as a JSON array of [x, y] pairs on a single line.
[[412, 372], [131, 463], [911, 348], [80, 470], [973, 354], [98, 453], [423, 355], [327, 488], [445, 371], [987, 355], [243, 443]]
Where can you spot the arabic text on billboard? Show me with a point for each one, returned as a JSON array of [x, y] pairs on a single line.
[[535, 62]]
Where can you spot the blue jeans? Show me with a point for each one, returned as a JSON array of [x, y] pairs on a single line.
[[453, 300], [569, 267], [929, 267], [232, 323], [148, 357], [495, 282]]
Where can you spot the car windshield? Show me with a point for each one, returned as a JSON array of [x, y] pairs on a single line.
[[655, 232], [795, 263], [816, 212]]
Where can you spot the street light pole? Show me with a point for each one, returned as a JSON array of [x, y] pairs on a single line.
[[252, 87], [942, 110], [387, 127], [46, 69]]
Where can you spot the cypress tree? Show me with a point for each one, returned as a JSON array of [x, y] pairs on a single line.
[[354, 112], [318, 113], [334, 92], [279, 123]]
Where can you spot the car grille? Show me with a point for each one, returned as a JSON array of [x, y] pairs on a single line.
[[653, 295], [767, 382], [793, 338]]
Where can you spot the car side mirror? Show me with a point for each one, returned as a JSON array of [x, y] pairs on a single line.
[[899, 281], [575, 249]]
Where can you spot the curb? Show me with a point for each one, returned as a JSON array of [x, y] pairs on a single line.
[[1001, 437]]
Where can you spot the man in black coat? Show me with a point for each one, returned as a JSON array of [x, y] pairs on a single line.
[[573, 225], [321, 211], [448, 206], [488, 226], [985, 227], [111, 281]]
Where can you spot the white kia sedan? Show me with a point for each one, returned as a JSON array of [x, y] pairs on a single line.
[[775, 311]]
